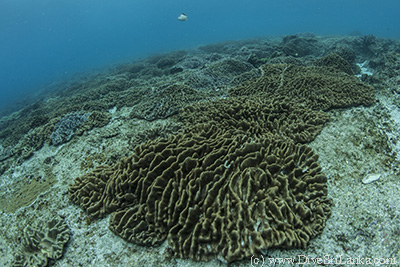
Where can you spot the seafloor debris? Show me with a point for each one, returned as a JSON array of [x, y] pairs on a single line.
[[372, 177]]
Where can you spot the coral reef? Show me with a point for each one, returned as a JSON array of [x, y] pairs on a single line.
[[31, 142], [214, 74], [258, 116], [27, 190], [244, 182], [137, 85], [317, 87], [301, 45], [5, 153], [96, 119], [228, 67], [42, 241], [226, 72], [211, 193], [335, 61], [165, 101], [66, 127]]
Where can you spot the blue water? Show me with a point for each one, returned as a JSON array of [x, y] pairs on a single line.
[[46, 41]]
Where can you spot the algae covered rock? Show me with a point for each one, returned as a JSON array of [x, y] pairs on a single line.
[[211, 193], [42, 241]]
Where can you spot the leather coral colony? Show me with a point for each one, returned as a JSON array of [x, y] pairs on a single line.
[[239, 179], [211, 192]]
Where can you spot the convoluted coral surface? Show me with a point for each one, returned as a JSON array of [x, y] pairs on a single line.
[[318, 87], [258, 116], [211, 193], [42, 241]]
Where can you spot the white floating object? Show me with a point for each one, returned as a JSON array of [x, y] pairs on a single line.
[[183, 17], [371, 178]]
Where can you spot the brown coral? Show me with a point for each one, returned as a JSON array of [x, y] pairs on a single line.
[[335, 61], [211, 193], [318, 87], [165, 101], [42, 241], [258, 116]]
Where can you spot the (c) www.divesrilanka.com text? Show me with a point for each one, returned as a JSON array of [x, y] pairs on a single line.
[[326, 259]]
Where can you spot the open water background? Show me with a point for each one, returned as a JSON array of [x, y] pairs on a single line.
[[45, 41]]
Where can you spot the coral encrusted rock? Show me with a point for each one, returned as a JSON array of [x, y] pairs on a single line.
[[42, 241], [212, 193], [317, 87]]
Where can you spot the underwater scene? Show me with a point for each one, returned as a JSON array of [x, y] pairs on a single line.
[[199, 133]]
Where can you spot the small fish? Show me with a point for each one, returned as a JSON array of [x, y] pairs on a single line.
[[182, 17]]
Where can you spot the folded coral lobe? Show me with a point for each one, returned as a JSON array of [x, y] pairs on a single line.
[[211, 193]]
